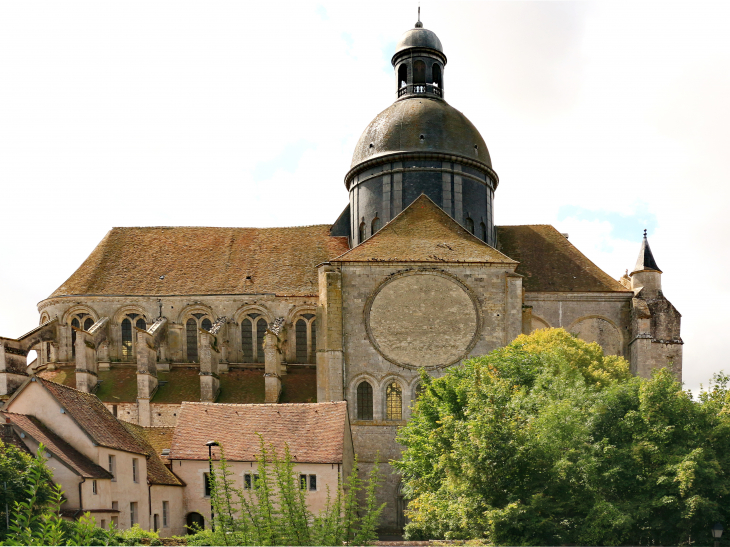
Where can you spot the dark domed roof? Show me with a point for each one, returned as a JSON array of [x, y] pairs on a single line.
[[399, 128], [419, 37]]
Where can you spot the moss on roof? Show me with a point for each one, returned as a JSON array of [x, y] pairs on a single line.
[[118, 385], [242, 386], [183, 384], [299, 386]]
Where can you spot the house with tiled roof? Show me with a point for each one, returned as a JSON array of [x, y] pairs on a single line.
[[413, 274], [105, 466], [317, 436]]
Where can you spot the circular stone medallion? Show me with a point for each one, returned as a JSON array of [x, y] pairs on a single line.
[[422, 319]]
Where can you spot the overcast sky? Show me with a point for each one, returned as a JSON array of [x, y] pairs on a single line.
[[602, 118]]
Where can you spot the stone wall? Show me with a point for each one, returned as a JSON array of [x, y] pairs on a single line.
[[395, 318], [177, 310], [593, 317]]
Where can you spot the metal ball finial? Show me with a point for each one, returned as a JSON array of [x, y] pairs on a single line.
[[644, 233], [418, 23]]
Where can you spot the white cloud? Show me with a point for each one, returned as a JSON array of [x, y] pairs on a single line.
[[138, 113]]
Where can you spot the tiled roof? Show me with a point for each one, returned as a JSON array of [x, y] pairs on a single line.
[[157, 472], [59, 448], [196, 260], [93, 417], [314, 432], [116, 385], [550, 263], [12, 438], [423, 232]]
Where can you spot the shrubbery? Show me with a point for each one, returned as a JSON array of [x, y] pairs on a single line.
[[275, 512], [548, 442]]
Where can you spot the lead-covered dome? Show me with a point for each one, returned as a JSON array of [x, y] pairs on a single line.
[[421, 124], [419, 37]]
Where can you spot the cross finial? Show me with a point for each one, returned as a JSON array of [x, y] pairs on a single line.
[[419, 24]]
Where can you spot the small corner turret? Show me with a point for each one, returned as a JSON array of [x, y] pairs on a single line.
[[655, 322]]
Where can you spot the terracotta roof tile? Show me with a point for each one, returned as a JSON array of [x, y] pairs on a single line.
[[14, 439], [60, 449], [93, 417], [314, 432], [423, 232], [550, 263], [157, 472], [199, 260]]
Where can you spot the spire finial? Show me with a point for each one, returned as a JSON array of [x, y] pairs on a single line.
[[419, 24], [644, 233]]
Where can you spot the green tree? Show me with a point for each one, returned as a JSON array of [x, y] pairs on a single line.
[[548, 441], [17, 472]]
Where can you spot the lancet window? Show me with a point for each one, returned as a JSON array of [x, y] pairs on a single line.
[[364, 401], [253, 329], [393, 402], [305, 329]]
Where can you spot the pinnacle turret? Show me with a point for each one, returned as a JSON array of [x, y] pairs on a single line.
[[646, 261]]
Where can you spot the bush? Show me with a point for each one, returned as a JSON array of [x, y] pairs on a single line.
[[275, 511], [549, 442]]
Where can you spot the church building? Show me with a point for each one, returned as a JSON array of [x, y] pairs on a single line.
[[414, 274]]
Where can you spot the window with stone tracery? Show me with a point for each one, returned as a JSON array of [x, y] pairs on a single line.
[[393, 402], [253, 330], [196, 321], [305, 330], [76, 320], [126, 339], [129, 321]]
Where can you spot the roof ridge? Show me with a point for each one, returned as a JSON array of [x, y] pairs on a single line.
[[224, 227]]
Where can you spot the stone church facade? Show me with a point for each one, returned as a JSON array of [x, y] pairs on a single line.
[[413, 274]]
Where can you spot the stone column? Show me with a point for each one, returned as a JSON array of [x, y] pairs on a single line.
[[13, 361], [272, 367], [209, 359], [86, 365], [330, 354], [148, 342]]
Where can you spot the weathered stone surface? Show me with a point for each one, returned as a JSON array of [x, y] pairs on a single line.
[[409, 314]]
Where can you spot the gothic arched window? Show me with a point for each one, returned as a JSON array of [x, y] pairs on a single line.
[[191, 332], [301, 340], [141, 324], [260, 332], [88, 323], [393, 402], [253, 330], [436, 73], [206, 324], [305, 334], [361, 232], [364, 401], [126, 339], [469, 224], [483, 231], [74, 323], [247, 340]]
